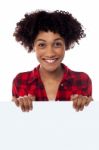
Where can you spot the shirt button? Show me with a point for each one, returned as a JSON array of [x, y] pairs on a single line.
[[61, 84]]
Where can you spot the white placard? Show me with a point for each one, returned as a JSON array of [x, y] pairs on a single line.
[[49, 126]]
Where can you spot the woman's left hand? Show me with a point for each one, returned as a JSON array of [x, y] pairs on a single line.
[[79, 101]]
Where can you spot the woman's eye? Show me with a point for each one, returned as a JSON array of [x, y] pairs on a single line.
[[58, 44], [41, 45]]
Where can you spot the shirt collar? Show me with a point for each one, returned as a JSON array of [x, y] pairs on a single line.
[[35, 75], [66, 70]]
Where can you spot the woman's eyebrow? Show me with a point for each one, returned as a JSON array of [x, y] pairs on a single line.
[[58, 39], [40, 40]]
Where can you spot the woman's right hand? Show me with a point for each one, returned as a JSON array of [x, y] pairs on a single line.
[[24, 102]]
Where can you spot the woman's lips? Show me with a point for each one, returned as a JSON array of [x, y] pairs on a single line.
[[50, 61]]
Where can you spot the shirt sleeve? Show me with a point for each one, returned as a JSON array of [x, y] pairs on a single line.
[[89, 87], [87, 90], [14, 89], [18, 89]]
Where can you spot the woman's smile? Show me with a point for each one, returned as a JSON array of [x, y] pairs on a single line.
[[50, 61]]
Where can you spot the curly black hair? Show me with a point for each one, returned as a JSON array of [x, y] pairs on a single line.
[[60, 22]]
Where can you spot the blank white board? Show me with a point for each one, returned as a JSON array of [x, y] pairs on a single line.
[[49, 126]]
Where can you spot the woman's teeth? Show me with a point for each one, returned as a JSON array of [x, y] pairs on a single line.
[[50, 60]]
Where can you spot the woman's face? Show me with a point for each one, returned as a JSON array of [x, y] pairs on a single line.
[[50, 50]]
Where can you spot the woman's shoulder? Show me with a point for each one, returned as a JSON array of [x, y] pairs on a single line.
[[77, 74], [22, 75], [81, 75], [27, 75]]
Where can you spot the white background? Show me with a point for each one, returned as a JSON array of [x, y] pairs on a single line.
[[13, 57], [50, 126]]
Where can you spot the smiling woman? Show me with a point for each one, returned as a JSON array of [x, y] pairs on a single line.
[[49, 35], [50, 50]]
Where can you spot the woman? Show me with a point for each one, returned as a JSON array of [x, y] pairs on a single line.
[[50, 35]]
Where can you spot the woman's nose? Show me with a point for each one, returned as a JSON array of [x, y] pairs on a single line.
[[50, 51]]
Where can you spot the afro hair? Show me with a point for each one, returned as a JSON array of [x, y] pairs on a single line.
[[60, 22]]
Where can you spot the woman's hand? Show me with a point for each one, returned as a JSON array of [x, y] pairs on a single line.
[[24, 102], [80, 101]]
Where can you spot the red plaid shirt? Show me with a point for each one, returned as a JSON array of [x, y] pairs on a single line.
[[72, 83]]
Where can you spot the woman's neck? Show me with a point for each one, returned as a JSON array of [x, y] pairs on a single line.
[[51, 75]]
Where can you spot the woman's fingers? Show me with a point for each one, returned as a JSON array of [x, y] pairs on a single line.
[[89, 100], [80, 101], [14, 99], [24, 102]]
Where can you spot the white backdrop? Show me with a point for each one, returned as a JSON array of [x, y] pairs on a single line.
[[50, 125], [13, 57]]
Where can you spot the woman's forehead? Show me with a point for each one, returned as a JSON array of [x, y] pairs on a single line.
[[42, 35]]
